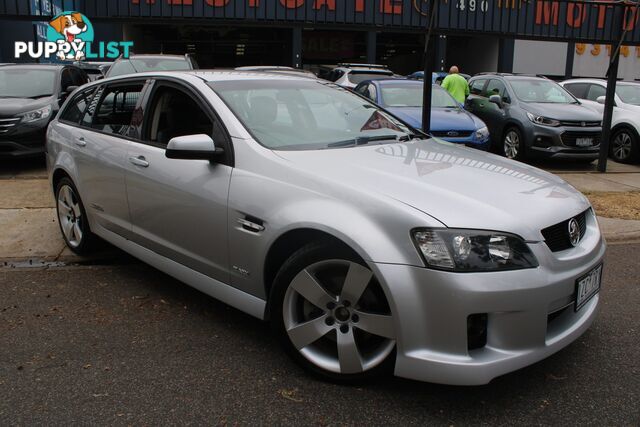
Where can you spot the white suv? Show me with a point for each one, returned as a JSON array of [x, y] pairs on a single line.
[[350, 75], [625, 125]]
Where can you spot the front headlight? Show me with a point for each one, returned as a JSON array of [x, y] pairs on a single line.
[[541, 120], [39, 114], [482, 134], [472, 250]]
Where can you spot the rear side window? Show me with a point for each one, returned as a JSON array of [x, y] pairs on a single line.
[[77, 106], [579, 90], [114, 110], [475, 87]]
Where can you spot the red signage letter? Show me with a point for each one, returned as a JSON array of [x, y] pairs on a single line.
[[573, 20], [331, 4], [545, 10], [389, 6], [291, 4]]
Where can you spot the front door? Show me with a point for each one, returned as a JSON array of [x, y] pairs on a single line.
[[179, 207]]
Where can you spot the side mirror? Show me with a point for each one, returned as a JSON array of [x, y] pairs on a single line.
[[496, 99], [601, 99], [193, 147]]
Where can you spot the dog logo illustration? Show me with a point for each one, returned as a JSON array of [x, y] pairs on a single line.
[[71, 31]]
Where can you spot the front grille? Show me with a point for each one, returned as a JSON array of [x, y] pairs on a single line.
[[575, 123], [6, 124], [557, 236], [569, 138], [452, 133]]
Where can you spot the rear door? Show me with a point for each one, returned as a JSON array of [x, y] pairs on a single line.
[[100, 139], [179, 207]]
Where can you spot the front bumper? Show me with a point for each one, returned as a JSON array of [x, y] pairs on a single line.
[[529, 314], [23, 141], [559, 142]]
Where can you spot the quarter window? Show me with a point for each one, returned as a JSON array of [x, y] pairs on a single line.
[[76, 107], [114, 110]]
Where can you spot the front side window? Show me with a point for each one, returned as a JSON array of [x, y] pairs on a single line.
[[307, 115], [476, 86], [175, 113], [496, 87], [541, 91], [23, 82], [595, 92], [77, 106], [114, 110]]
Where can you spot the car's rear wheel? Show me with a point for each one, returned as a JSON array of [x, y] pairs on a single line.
[[513, 144], [72, 218], [332, 315], [624, 146]]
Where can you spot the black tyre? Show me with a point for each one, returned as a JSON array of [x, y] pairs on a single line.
[[513, 146], [625, 146], [72, 218], [331, 314]]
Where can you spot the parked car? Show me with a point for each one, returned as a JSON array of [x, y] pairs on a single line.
[[531, 116], [365, 245], [350, 75], [436, 77], [145, 63], [403, 98], [278, 69], [625, 126], [95, 70], [30, 96]]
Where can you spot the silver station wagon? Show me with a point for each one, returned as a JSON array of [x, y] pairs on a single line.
[[369, 246]]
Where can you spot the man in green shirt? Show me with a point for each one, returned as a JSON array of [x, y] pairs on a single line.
[[456, 85]]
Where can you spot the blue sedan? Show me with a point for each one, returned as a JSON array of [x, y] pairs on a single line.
[[449, 121]]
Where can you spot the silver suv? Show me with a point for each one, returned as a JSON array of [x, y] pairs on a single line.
[[366, 245]]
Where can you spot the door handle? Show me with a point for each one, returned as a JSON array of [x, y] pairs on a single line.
[[139, 161], [80, 141]]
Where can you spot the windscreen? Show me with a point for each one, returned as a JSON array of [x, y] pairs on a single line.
[[306, 115], [629, 93], [26, 83], [542, 91], [141, 65]]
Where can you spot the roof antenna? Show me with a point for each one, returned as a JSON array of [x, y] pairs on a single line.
[[161, 48]]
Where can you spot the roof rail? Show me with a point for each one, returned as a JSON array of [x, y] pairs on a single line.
[[351, 64]]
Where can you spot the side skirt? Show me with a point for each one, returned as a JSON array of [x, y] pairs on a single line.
[[214, 288]]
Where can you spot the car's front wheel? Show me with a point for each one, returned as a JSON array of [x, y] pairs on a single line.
[[513, 144], [72, 218], [625, 146], [332, 315]]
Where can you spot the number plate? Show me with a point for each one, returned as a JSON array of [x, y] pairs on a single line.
[[584, 142], [587, 286]]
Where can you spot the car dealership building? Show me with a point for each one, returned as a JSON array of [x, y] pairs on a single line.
[[312, 33]]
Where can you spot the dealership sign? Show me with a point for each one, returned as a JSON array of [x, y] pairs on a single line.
[[560, 20], [69, 36]]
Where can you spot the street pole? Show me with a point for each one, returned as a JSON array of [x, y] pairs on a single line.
[[429, 67], [612, 76]]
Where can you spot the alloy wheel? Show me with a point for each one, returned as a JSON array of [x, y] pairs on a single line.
[[622, 146], [70, 216], [511, 144], [336, 315]]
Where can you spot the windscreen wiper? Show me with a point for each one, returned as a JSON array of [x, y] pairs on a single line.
[[363, 140]]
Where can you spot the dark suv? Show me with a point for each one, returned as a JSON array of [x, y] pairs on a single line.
[[531, 116], [30, 96]]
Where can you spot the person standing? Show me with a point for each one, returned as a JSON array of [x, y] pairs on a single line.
[[456, 85]]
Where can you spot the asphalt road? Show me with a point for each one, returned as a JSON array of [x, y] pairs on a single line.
[[125, 344]]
